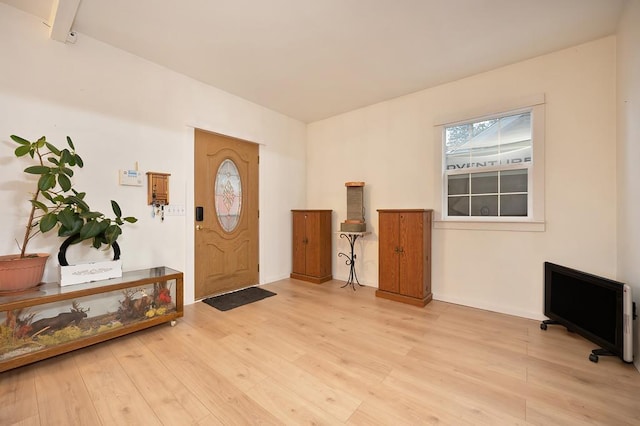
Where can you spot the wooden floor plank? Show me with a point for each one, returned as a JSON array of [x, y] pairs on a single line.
[[114, 395], [169, 399], [288, 376], [226, 401], [289, 407], [63, 395], [18, 393]]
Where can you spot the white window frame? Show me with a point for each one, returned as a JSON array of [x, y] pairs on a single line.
[[534, 221]]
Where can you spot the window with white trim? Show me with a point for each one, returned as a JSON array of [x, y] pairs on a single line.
[[489, 167]]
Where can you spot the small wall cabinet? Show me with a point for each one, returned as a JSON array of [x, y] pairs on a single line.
[[53, 320], [311, 245], [404, 245], [158, 188]]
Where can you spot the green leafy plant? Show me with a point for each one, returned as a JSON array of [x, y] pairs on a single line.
[[55, 203]]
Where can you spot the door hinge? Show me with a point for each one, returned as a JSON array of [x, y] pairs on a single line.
[[258, 267]]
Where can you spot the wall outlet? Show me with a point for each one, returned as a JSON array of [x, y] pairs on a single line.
[[130, 177]]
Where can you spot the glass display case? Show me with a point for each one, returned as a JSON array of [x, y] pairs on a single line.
[[52, 320]]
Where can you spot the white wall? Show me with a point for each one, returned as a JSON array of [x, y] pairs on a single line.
[[390, 146], [628, 104], [119, 110]]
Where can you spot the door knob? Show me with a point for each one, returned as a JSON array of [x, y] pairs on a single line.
[[198, 227]]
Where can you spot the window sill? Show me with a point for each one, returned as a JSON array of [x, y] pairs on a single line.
[[490, 226]]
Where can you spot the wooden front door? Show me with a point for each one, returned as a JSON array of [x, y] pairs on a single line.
[[226, 201]]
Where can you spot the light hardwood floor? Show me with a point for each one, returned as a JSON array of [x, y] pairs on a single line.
[[319, 354]]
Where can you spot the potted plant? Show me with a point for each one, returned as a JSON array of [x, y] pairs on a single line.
[[55, 204]]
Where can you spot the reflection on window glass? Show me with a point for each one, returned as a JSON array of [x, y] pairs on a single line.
[[458, 184], [513, 181], [487, 166], [489, 143], [484, 183], [228, 195], [458, 206], [513, 205], [499, 193], [484, 205]]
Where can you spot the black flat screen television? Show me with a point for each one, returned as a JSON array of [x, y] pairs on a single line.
[[597, 308]]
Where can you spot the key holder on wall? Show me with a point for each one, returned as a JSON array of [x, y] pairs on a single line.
[[158, 192], [157, 209]]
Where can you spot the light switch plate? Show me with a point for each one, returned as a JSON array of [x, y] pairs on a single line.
[[174, 210]]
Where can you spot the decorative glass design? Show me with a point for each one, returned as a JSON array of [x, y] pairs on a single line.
[[228, 195]]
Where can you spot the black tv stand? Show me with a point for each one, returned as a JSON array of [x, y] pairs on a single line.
[[545, 323], [593, 356]]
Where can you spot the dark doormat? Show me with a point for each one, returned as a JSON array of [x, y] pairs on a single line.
[[228, 301]]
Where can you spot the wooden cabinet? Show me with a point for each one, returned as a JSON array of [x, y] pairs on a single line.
[[404, 262], [311, 245], [52, 320]]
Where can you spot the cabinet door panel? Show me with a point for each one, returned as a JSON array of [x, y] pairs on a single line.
[[299, 258], [411, 263], [388, 238], [312, 247]]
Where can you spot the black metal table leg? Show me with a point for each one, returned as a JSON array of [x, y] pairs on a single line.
[[351, 261]]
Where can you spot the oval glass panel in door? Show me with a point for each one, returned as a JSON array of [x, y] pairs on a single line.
[[228, 195]]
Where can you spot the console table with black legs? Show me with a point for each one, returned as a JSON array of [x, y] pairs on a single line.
[[351, 257]]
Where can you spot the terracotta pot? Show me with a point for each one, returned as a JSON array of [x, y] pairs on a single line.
[[21, 274]]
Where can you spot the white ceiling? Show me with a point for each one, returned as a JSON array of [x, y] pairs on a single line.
[[311, 59]]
